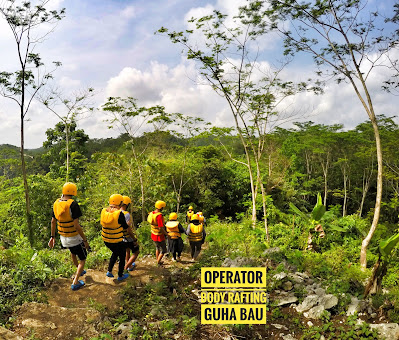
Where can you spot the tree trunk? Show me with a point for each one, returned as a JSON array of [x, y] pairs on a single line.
[[377, 209], [28, 214]]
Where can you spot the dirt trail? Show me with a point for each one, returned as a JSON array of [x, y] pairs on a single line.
[[78, 314]]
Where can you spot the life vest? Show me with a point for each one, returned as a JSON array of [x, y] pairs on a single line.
[[152, 219], [63, 215], [189, 214], [195, 232], [112, 231], [172, 227]]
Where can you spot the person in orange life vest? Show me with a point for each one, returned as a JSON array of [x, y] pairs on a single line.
[[158, 232], [131, 242], [66, 213], [196, 236], [113, 223], [202, 218], [175, 229], [190, 213]]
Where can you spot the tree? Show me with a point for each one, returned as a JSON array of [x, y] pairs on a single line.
[[66, 142], [228, 62], [74, 107], [132, 119], [346, 45], [25, 18]]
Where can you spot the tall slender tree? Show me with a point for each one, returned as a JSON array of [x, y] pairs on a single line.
[[26, 20]]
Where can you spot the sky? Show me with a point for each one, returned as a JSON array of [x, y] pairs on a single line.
[[111, 47]]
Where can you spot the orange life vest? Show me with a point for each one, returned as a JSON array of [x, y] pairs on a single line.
[[63, 215], [112, 231], [152, 219], [172, 227], [195, 232]]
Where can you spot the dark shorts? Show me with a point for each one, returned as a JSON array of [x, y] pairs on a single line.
[[161, 246], [79, 250], [133, 246]]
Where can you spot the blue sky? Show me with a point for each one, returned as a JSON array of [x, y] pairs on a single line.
[[111, 46]]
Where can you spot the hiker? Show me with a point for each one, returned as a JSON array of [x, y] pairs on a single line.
[[65, 214], [175, 229], [190, 213], [201, 217], [131, 243], [196, 236], [113, 223], [158, 232]]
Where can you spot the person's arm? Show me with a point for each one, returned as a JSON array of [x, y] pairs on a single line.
[[80, 232], [51, 243], [188, 230], [203, 233], [181, 229], [130, 232], [128, 219], [161, 225]]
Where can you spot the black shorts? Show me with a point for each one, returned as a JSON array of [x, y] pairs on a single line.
[[79, 250], [161, 246], [133, 246]]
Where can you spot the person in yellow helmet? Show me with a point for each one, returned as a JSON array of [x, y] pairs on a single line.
[[190, 213], [175, 229], [158, 232], [113, 223], [196, 236], [131, 243], [66, 213]]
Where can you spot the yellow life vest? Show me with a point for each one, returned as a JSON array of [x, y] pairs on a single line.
[[152, 219], [172, 227], [189, 214], [63, 215], [195, 232], [112, 231]]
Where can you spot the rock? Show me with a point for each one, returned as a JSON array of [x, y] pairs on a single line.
[[287, 285], [271, 251], [237, 262], [279, 276], [310, 323], [288, 337], [296, 278], [307, 303], [124, 329], [319, 291], [387, 330], [34, 323], [278, 326], [315, 312], [287, 300], [353, 306], [6, 334], [329, 301]]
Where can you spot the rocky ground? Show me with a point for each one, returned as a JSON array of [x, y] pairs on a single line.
[[298, 302]]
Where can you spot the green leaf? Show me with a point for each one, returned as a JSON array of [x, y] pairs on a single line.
[[298, 212], [386, 246]]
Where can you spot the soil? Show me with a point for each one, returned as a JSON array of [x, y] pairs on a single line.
[[80, 314]]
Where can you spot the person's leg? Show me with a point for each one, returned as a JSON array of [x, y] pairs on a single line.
[[74, 260], [192, 246], [114, 256], [197, 249], [132, 259], [79, 271], [121, 253], [127, 254]]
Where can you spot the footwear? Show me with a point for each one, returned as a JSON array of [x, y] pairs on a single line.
[[173, 260], [83, 272], [109, 274], [131, 267], [78, 285], [179, 258], [124, 276], [160, 264]]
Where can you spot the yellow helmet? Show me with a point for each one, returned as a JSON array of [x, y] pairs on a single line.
[[69, 189], [116, 199], [190, 207], [160, 204], [173, 216], [126, 200], [194, 217]]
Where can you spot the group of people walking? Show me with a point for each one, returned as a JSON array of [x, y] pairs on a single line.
[[118, 235]]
